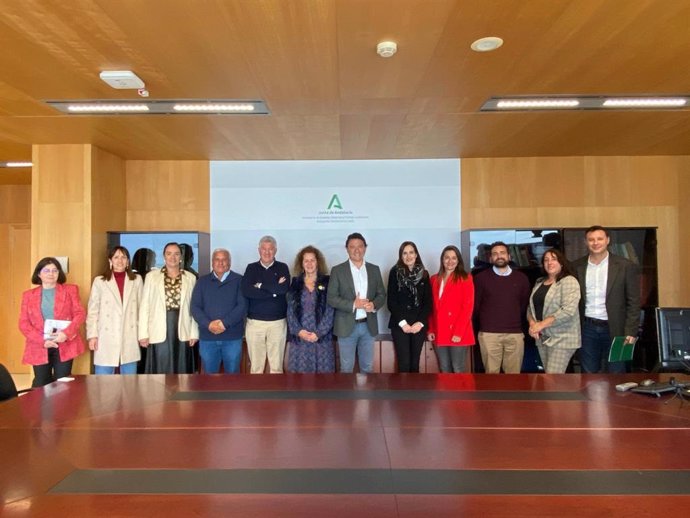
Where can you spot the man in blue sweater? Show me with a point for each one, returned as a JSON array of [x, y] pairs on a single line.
[[265, 284], [219, 308]]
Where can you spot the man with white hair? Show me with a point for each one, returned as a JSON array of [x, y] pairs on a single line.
[[219, 308], [265, 285]]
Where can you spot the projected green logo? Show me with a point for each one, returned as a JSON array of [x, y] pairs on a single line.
[[335, 203]]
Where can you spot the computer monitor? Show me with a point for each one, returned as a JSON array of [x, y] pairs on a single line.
[[673, 332]]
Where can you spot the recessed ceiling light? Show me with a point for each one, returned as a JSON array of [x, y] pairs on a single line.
[[512, 104], [16, 164], [214, 107], [114, 108], [153, 107], [660, 102], [486, 44], [586, 102]]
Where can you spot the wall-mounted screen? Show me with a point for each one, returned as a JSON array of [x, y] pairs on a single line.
[[320, 202]]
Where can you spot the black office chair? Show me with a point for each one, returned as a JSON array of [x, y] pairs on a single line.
[[8, 389]]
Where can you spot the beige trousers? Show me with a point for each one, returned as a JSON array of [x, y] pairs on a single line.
[[266, 339], [502, 349]]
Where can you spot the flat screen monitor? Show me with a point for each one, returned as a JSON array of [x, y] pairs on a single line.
[[673, 331]]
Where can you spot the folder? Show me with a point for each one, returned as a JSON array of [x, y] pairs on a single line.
[[620, 351], [52, 326]]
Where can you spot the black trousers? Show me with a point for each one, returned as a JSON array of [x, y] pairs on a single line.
[[408, 348], [171, 356], [54, 369]]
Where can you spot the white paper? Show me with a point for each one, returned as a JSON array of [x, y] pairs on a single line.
[[52, 326]]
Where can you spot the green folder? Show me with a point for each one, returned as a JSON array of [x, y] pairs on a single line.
[[620, 351]]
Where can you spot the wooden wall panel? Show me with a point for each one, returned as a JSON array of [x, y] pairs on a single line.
[[108, 203], [15, 270], [168, 195], [683, 276], [15, 204], [582, 191], [78, 193], [61, 214], [19, 273]]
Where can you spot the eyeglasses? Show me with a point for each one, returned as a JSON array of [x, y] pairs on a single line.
[[50, 270]]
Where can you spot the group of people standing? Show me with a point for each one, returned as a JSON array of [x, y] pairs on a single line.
[[582, 306], [171, 311]]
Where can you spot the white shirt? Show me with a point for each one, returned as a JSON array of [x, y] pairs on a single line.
[[595, 289], [505, 273], [361, 281], [222, 277]]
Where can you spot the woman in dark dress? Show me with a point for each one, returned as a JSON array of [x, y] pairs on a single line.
[[409, 301], [310, 318]]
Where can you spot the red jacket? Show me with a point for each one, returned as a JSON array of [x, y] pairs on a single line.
[[67, 307], [452, 313]]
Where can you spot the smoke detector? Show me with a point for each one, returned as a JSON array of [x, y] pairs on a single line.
[[386, 49], [122, 79]]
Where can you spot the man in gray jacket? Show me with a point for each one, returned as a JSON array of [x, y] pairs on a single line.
[[356, 292]]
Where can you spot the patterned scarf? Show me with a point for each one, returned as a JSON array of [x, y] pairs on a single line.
[[409, 279]]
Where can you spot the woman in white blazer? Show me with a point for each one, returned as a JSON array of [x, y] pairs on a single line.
[[113, 315], [166, 326]]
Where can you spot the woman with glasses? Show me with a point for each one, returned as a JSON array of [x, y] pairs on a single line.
[[50, 318], [113, 316]]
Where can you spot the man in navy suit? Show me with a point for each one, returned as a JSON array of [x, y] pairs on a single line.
[[356, 292], [610, 301]]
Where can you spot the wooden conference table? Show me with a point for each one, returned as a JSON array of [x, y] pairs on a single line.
[[383, 445]]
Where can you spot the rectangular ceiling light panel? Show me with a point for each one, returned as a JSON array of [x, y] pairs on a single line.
[[585, 102], [167, 107]]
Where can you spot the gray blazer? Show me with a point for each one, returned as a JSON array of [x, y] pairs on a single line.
[[341, 296], [622, 294], [561, 302]]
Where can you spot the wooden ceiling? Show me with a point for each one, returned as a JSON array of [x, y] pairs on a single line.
[[331, 96]]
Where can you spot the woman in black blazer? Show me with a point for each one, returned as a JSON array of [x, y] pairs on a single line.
[[409, 301]]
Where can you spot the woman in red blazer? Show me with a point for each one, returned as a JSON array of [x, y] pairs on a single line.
[[51, 355], [450, 324]]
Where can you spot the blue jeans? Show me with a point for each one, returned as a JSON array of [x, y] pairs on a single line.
[[361, 342], [214, 351], [451, 358], [125, 368], [596, 344]]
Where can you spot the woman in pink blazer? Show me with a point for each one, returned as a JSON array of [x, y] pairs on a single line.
[[51, 354], [450, 324]]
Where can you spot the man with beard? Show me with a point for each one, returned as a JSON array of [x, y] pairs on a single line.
[[610, 301], [501, 298]]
